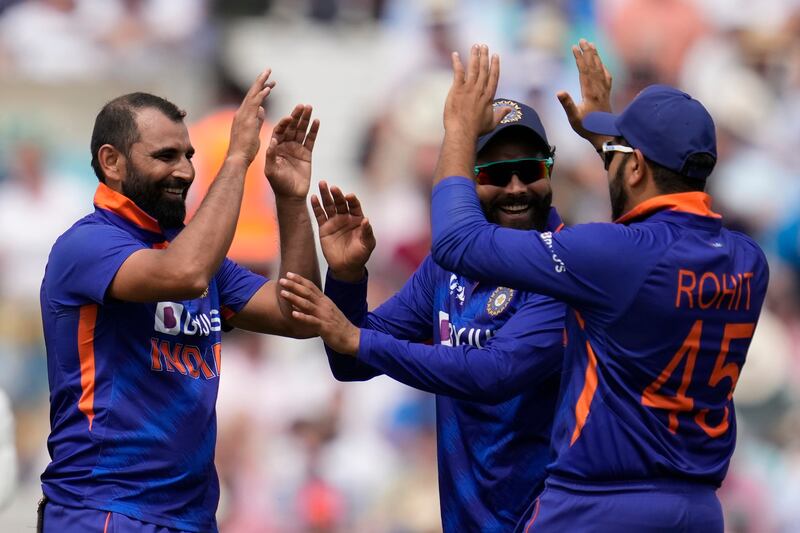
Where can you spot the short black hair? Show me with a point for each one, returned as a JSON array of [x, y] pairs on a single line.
[[116, 123], [670, 182]]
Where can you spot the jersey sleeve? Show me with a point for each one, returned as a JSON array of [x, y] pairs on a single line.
[[84, 261], [594, 267], [524, 352], [406, 315], [236, 286]]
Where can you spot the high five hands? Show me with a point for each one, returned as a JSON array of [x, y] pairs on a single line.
[[345, 234], [468, 107], [288, 157], [595, 82]]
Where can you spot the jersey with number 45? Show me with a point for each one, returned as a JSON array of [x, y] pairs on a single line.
[[664, 305]]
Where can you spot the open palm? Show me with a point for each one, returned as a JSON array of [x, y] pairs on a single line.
[[344, 232], [288, 161], [595, 82]]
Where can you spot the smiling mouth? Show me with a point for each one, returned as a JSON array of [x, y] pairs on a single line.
[[515, 209], [174, 191]]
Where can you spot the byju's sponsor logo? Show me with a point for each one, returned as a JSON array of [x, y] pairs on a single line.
[[449, 335], [173, 318], [558, 264]]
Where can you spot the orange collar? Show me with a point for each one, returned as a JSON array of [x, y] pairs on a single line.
[[107, 198], [696, 203]]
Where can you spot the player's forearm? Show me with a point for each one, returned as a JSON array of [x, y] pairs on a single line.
[[457, 156], [461, 372], [204, 242], [298, 249]]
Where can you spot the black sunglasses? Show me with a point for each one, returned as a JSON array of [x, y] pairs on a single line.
[[527, 169]]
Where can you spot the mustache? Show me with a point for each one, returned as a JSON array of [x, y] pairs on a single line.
[[511, 199], [174, 184], [521, 198]]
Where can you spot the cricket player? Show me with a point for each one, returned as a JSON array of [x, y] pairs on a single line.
[[134, 303], [495, 386], [495, 357], [663, 305]]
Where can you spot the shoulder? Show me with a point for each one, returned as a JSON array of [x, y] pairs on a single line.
[[605, 239], [91, 227], [92, 238], [431, 269], [749, 246]]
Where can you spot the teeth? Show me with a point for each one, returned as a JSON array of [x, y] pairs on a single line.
[[516, 208], [173, 191]]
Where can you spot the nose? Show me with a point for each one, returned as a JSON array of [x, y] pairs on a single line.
[[184, 170], [515, 184]]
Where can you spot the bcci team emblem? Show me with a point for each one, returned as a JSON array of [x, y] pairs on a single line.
[[516, 111], [499, 300]]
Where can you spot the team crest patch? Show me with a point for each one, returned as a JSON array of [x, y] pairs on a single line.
[[516, 111], [499, 300]]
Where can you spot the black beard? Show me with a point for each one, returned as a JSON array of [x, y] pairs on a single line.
[[619, 196], [538, 216], [169, 213]]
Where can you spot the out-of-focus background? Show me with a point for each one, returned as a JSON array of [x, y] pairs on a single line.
[[296, 450]]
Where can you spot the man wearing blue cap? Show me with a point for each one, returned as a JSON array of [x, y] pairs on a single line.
[[663, 305], [496, 355]]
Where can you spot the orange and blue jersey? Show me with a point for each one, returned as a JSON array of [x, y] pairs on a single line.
[[663, 305], [494, 366], [132, 385]]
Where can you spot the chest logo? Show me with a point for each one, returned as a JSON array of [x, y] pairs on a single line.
[[173, 318], [499, 300]]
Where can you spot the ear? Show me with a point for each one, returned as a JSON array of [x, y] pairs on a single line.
[[113, 163], [638, 174]]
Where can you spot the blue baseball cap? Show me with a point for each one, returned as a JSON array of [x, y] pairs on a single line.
[[522, 116], [666, 124]]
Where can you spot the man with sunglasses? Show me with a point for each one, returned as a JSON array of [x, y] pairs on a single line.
[[496, 353], [664, 303]]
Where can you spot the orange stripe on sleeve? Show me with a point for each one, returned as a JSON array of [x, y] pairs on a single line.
[[108, 519], [86, 325]]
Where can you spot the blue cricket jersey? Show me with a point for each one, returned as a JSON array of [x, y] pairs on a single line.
[[132, 385], [664, 305], [495, 368]]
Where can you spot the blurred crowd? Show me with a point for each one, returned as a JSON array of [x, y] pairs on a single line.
[[296, 450]]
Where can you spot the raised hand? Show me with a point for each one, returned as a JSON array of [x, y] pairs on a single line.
[[288, 158], [314, 309], [595, 81], [345, 234], [468, 107], [249, 118]]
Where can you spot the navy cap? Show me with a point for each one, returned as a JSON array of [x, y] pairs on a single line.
[[520, 116], [666, 124]]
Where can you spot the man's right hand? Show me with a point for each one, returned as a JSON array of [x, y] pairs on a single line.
[[249, 118], [345, 234]]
